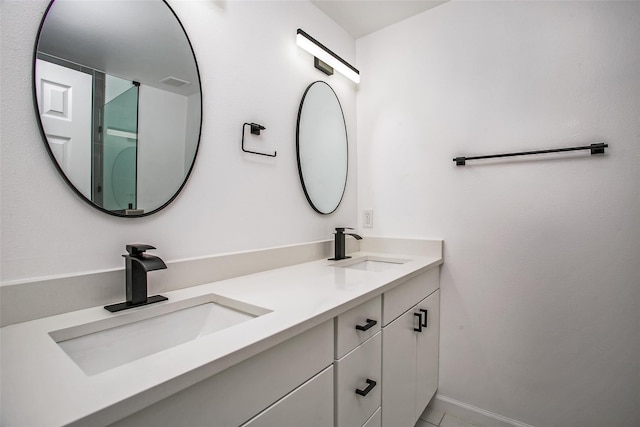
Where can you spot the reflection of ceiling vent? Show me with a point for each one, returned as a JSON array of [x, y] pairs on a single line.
[[174, 81]]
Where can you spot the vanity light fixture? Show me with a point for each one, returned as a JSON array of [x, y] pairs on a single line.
[[324, 59]]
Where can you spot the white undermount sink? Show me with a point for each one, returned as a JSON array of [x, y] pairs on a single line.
[[108, 343], [372, 263]]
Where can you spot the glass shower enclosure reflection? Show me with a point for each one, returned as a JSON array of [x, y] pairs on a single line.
[[115, 153]]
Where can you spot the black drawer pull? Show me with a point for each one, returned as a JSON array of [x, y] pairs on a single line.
[[370, 324], [419, 316], [370, 386], [425, 311]]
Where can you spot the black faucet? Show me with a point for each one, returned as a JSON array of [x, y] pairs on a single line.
[[339, 250], [137, 265]]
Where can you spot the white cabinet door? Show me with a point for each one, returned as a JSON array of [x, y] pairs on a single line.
[[310, 405], [427, 361], [399, 371]]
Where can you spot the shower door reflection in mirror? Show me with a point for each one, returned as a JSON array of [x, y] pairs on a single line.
[[119, 146]]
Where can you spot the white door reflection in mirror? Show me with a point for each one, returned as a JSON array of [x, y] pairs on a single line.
[[64, 97], [322, 147]]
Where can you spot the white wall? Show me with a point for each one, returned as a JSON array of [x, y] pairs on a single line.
[[541, 281], [192, 130], [162, 118], [251, 70]]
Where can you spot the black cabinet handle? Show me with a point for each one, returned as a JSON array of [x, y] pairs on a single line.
[[370, 324], [419, 316], [370, 386], [424, 324]]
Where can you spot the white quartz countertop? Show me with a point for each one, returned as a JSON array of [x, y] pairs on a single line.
[[42, 386]]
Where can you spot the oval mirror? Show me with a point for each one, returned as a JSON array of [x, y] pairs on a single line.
[[321, 143], [117, 94]]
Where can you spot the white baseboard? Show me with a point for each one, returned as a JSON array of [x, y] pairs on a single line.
[[471, 413]]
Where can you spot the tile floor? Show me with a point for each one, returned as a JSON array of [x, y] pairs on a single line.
[[433, 418]]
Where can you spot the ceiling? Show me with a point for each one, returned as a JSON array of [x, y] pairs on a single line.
[[135, 40], [362, 17]]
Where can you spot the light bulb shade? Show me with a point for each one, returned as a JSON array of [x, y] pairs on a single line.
[[317, 49]]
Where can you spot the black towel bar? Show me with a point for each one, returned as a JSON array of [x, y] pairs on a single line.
[[597, 148]]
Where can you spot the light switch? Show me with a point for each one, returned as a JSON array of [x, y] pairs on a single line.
[[367, 219]]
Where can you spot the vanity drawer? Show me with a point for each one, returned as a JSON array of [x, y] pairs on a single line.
[[404, 296], [238, 393], [358, 383], [310, 405], [357, 325]]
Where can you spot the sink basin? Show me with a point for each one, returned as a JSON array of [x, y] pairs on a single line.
[[105, 344], [371, 263]]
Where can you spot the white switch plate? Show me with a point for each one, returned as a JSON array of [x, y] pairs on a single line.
[[367, 219]]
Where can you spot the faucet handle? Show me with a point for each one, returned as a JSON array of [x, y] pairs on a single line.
[[137, 249], [341, 229]]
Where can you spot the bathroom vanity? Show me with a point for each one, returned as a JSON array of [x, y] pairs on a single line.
[[322, 343]]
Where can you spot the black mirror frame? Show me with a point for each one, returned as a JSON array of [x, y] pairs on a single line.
[[344, 188], [55, 161]]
